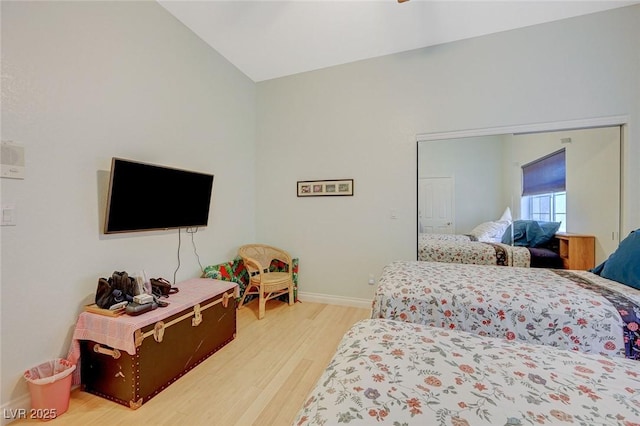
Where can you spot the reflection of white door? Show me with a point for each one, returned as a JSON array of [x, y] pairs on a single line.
[[435, 205]]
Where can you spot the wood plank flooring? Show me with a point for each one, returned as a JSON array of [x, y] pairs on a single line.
[[261, 378]]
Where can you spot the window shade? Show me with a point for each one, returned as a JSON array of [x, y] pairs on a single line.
[[544, 175]]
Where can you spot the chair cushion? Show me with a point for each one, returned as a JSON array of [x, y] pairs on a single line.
[[272, 281]]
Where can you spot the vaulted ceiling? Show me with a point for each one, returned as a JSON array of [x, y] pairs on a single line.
[[268, 39]]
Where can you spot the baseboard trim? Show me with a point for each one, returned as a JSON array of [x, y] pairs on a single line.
[[334, 300]]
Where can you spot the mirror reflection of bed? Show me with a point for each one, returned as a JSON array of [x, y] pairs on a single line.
[[464, 182]]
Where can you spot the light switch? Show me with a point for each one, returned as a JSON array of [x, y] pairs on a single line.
[[8, 216], [11, 160]]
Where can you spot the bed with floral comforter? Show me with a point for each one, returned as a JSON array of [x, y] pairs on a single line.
[[396, 373], [458, 248], [574, 310]]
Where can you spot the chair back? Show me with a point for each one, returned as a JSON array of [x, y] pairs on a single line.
[[258, 257]]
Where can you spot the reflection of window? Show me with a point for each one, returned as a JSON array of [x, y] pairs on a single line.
[[544, 194], [550, 207]]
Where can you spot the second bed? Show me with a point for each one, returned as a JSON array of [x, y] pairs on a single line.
[[574, 310], [464, 249]]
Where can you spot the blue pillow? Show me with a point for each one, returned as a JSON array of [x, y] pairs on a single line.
[[506, 237], [520, 228], [547, 231], [530, 233], [623, 265], [524, 232]]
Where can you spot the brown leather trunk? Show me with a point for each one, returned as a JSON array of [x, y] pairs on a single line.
[[165, 351]]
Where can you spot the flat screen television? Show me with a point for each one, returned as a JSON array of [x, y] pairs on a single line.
[[145, 197]]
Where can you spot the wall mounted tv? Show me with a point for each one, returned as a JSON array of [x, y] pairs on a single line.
[[145, 197]]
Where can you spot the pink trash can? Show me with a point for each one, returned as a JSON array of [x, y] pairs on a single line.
[[50, 388]]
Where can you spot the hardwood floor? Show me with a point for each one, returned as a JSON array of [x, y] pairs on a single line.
[[261, 378]]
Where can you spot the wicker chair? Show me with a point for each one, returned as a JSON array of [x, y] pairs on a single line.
[[266, 284]]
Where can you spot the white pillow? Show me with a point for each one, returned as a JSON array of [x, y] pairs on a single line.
[[490, 231], [506, 216]]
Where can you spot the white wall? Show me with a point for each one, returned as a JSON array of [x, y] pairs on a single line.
[[85, 81], [82, 82], [477, 166], [360, 121]]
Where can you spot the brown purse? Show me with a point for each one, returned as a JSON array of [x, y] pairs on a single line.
[[162, 288]]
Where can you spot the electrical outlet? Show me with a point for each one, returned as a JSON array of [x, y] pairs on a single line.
[[372, 280]]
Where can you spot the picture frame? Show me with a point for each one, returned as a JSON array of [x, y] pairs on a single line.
[[325, 188]]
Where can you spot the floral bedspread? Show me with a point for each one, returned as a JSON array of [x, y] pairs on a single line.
[[395, 373], [455, 249], [425, 238], [533, 305]]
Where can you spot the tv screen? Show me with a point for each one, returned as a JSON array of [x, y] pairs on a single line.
[[145, 197]]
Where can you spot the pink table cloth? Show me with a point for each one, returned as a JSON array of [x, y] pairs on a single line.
[[119, 332]]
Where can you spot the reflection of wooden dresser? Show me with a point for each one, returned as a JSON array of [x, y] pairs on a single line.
[[577, 250]]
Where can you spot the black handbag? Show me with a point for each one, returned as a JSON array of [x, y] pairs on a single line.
[[104, 294], [119, 287]]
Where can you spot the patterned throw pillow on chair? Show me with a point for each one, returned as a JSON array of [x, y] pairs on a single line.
[[236, 272], [229, 271]]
